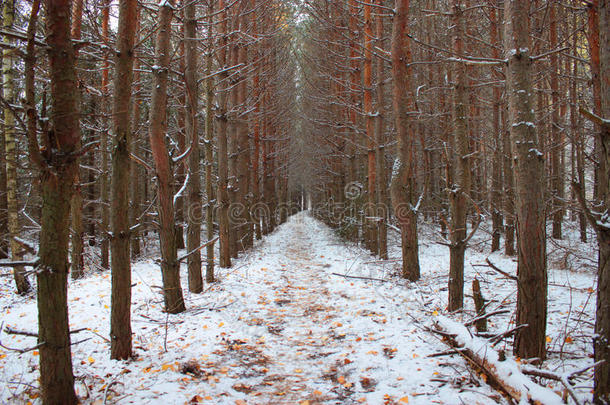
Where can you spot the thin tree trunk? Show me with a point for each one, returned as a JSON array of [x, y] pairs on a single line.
[[243, 150], [78, 265], [370, 223], [105, 184], [556, 145], [10, 145], [120, 319], [170, 267], [382, 193], [593, 39], [509, 187], [496, 182], [4, 234], [223, 168], [209, 157], [460, 182], [601, 393], [194, 214], [403, 179], [137, 177], [529, 172]]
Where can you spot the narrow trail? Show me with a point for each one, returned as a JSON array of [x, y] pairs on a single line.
[[317, 337]]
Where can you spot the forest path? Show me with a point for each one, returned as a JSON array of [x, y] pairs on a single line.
[[326, 338]]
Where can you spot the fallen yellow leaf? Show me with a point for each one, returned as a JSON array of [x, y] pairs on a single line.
[[91, 360], [404, 400]]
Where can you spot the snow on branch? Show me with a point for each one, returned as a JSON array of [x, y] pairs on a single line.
[[504, 373]]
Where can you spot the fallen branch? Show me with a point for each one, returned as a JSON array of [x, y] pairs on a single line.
[[485, 316], [30, 263], [505, 374], [21, 351], [501, 336], [549, 375], [11, 331], [360, 277]]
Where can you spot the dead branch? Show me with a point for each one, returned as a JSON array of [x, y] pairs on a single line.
[[359, 277], [485, 316], [486, 361], [496, 268], [197, 249]]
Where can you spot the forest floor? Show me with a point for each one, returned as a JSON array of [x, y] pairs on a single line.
[[281, 327]]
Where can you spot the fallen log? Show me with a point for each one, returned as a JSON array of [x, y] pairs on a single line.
[[501, 373]]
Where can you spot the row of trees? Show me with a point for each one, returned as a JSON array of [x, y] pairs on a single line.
[[226, 112], [481, 101], [139, 117]]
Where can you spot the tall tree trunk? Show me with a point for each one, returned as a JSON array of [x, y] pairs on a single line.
[[243, 150], [56, 377], [460, 169], [120, 319], [593, 38], [256, 192], [496, 181], [403, 178], [381, 188], [4, 234], [232, 135], [170, 267], [370, 223], [556, 152], [509, 187], [105, 184], [194, 214], [78, 265], [10, 145], [137, 176], [223, 168], [601, 393], [529, 173], [209, 156], [578, 143]]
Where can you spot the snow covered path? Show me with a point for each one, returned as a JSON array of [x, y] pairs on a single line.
[[279, 328]]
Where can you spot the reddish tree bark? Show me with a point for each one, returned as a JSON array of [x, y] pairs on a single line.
[[56, 377], [170, 267], [403, 178], [120, 313]]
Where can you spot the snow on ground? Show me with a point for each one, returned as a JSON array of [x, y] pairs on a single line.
[[281, 328]]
